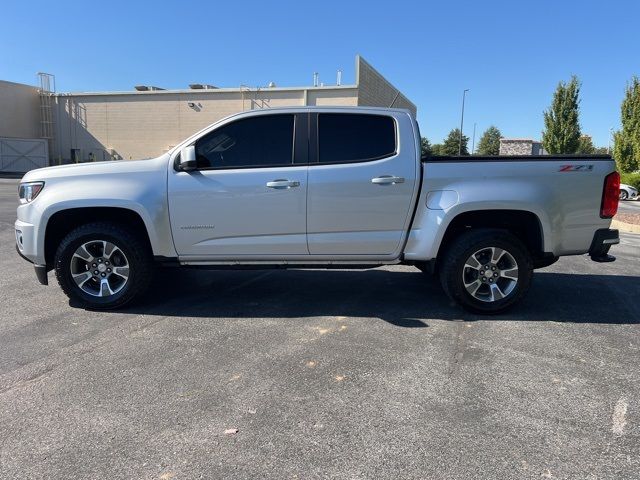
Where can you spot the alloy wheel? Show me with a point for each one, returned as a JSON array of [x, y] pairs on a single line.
[[490, 274], [99, 268]]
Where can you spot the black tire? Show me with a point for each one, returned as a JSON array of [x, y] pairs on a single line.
[[623, 195], [452, 269], [425, 268], [544, 262], [136, 252]]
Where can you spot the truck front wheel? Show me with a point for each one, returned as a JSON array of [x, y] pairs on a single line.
[[102, 266], [486, 271]]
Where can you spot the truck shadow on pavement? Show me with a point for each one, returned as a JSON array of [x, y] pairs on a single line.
[[407, 298]]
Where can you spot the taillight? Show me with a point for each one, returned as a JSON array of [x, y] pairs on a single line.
[[610, 195]]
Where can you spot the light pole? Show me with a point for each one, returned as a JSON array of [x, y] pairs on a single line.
[[610, 137], [464, 94], [473, 142]]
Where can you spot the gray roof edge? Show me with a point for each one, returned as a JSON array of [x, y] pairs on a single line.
[[210, 91]]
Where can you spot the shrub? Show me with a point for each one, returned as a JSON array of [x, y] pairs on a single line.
[[632, 179]]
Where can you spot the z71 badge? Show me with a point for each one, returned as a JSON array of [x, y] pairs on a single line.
[[576, 168]]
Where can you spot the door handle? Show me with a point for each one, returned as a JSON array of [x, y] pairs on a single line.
[[387, 180], [283, 184]]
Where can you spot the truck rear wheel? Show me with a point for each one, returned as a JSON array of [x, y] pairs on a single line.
[[103, 266], [486, 271]]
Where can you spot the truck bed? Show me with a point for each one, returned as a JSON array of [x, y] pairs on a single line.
[[563, 191]]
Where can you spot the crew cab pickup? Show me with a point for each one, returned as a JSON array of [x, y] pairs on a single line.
[[315, 187]]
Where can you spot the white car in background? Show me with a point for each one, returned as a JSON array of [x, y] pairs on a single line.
[[627, 192]]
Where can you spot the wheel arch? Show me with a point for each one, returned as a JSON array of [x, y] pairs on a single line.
[[524, 224], [63, 221]]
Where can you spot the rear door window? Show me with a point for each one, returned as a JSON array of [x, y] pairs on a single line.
[[349, 137]]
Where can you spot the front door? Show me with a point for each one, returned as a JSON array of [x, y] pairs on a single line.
[[248, 196]]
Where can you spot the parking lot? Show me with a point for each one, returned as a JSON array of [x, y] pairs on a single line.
[[324, 374], [629, 211]]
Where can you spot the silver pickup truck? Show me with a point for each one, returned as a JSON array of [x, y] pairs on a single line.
[[315, 188]]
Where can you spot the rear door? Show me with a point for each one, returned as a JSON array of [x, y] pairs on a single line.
[[362, 183]]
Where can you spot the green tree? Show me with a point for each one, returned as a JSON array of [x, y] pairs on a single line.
[[601, 150], [452, 143], [437, 150], [623, 152], [561, 120], [586, 146], [425, 147], [489, 143], [626, 148]]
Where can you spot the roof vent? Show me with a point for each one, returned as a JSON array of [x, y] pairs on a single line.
[[202, 86], [147, 88]]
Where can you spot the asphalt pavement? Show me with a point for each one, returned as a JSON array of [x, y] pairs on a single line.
[[629, 206], [324, 374]]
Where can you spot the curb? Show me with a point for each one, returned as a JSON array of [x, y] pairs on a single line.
[[625, 227]]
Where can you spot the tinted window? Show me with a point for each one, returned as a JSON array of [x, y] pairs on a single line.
[[262, 141], [353, 137]]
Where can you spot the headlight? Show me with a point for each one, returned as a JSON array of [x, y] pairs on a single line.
[[27, 192]]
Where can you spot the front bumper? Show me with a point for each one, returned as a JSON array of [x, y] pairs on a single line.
[[602, 241], [41, 270], [26, 240], [26, 248]]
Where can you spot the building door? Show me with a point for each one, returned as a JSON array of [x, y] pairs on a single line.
[[19, 155]]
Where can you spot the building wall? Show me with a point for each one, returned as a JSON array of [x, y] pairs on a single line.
[[104, 126], [326, 96], [536, 149], [19, 110], [376, 91], [130, 125], [146, 124], [520, 147]]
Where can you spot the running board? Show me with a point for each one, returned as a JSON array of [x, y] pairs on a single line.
[[290, 263]]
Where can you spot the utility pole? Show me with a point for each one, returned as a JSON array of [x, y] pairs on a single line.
[[473, 142], [464, 94]]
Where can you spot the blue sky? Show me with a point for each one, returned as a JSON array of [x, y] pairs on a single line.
[[510, 54]]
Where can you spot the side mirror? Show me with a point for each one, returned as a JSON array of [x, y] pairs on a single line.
[[188, 159]]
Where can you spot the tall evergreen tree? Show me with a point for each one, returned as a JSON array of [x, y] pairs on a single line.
[[626, 149], [452, 143], [561, 120], [489, 143]]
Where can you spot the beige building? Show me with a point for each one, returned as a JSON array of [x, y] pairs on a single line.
[[22, 146], [145, 123], [19, 110], [520, 146]]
